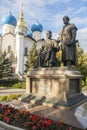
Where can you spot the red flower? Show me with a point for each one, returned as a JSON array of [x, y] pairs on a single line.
[[28, 120], [34, 118], [7, 119], [8, 110], [43, 127], [34, 128], [49, 122]]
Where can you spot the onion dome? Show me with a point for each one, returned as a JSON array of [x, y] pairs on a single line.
[[29, 34], [37, 27], [9, 19]]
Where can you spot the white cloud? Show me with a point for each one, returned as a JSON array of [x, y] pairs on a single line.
[[80, 10], [58, 22], [82, 37], [57, 1], [53, 1], [30, 3], [64, 1], [80, 20], [84, 0]]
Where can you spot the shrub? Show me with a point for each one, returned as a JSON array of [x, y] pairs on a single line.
[[12, 83], [19, 85], [8, 82], [14, 96], [3, 98], [9, 97]]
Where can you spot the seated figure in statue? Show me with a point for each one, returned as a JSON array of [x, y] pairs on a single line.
[[47, 54], [67, 38]]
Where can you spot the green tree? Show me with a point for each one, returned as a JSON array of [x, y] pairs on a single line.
[[1, 57], [59, 57], [31, 58], [6, 68], [82, 63], [1, 66]]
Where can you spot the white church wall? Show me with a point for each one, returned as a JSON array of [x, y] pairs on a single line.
[[8, 28], [8, 40], [28, 42], [37, 35]]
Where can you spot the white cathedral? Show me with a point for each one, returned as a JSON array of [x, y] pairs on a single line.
[[16, 41]]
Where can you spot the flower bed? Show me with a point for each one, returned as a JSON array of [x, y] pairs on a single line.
[[29, 121]]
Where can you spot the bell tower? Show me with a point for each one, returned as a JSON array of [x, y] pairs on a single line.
[[21, 31]]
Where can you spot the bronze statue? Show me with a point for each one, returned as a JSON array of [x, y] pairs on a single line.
[[47, 53], [67, 38]]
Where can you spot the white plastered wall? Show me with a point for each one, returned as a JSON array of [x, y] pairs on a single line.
[[37, 35], [8, 40], [8, 28]]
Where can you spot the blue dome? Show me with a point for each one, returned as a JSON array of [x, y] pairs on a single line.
[[30, 34], [9, 19], [37, 27]]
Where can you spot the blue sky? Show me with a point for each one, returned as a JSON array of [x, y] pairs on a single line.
[[50, 14]]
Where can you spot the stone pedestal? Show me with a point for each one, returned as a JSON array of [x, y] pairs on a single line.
[[57, 85]]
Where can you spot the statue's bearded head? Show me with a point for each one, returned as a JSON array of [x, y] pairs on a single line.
[[66, 19], [48, 34]]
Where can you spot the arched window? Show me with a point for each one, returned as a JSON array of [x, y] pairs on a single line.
[[25, 51], [9, 49]]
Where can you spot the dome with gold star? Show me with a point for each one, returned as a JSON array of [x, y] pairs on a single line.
[[37, 27], [9, 19]]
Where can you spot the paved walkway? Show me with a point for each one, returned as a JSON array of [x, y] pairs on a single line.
[[18, 91], [11, 91], [1, 128]]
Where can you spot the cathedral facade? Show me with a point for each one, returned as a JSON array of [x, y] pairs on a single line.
[[16, 40]]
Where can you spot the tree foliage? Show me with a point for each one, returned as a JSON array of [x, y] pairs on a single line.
[[82, 62], [59, 56], [1, 57], [5, 67], [30, 63]]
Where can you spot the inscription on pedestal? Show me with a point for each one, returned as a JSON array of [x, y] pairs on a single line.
[[44, 89], [74, 86], [41, 86]]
